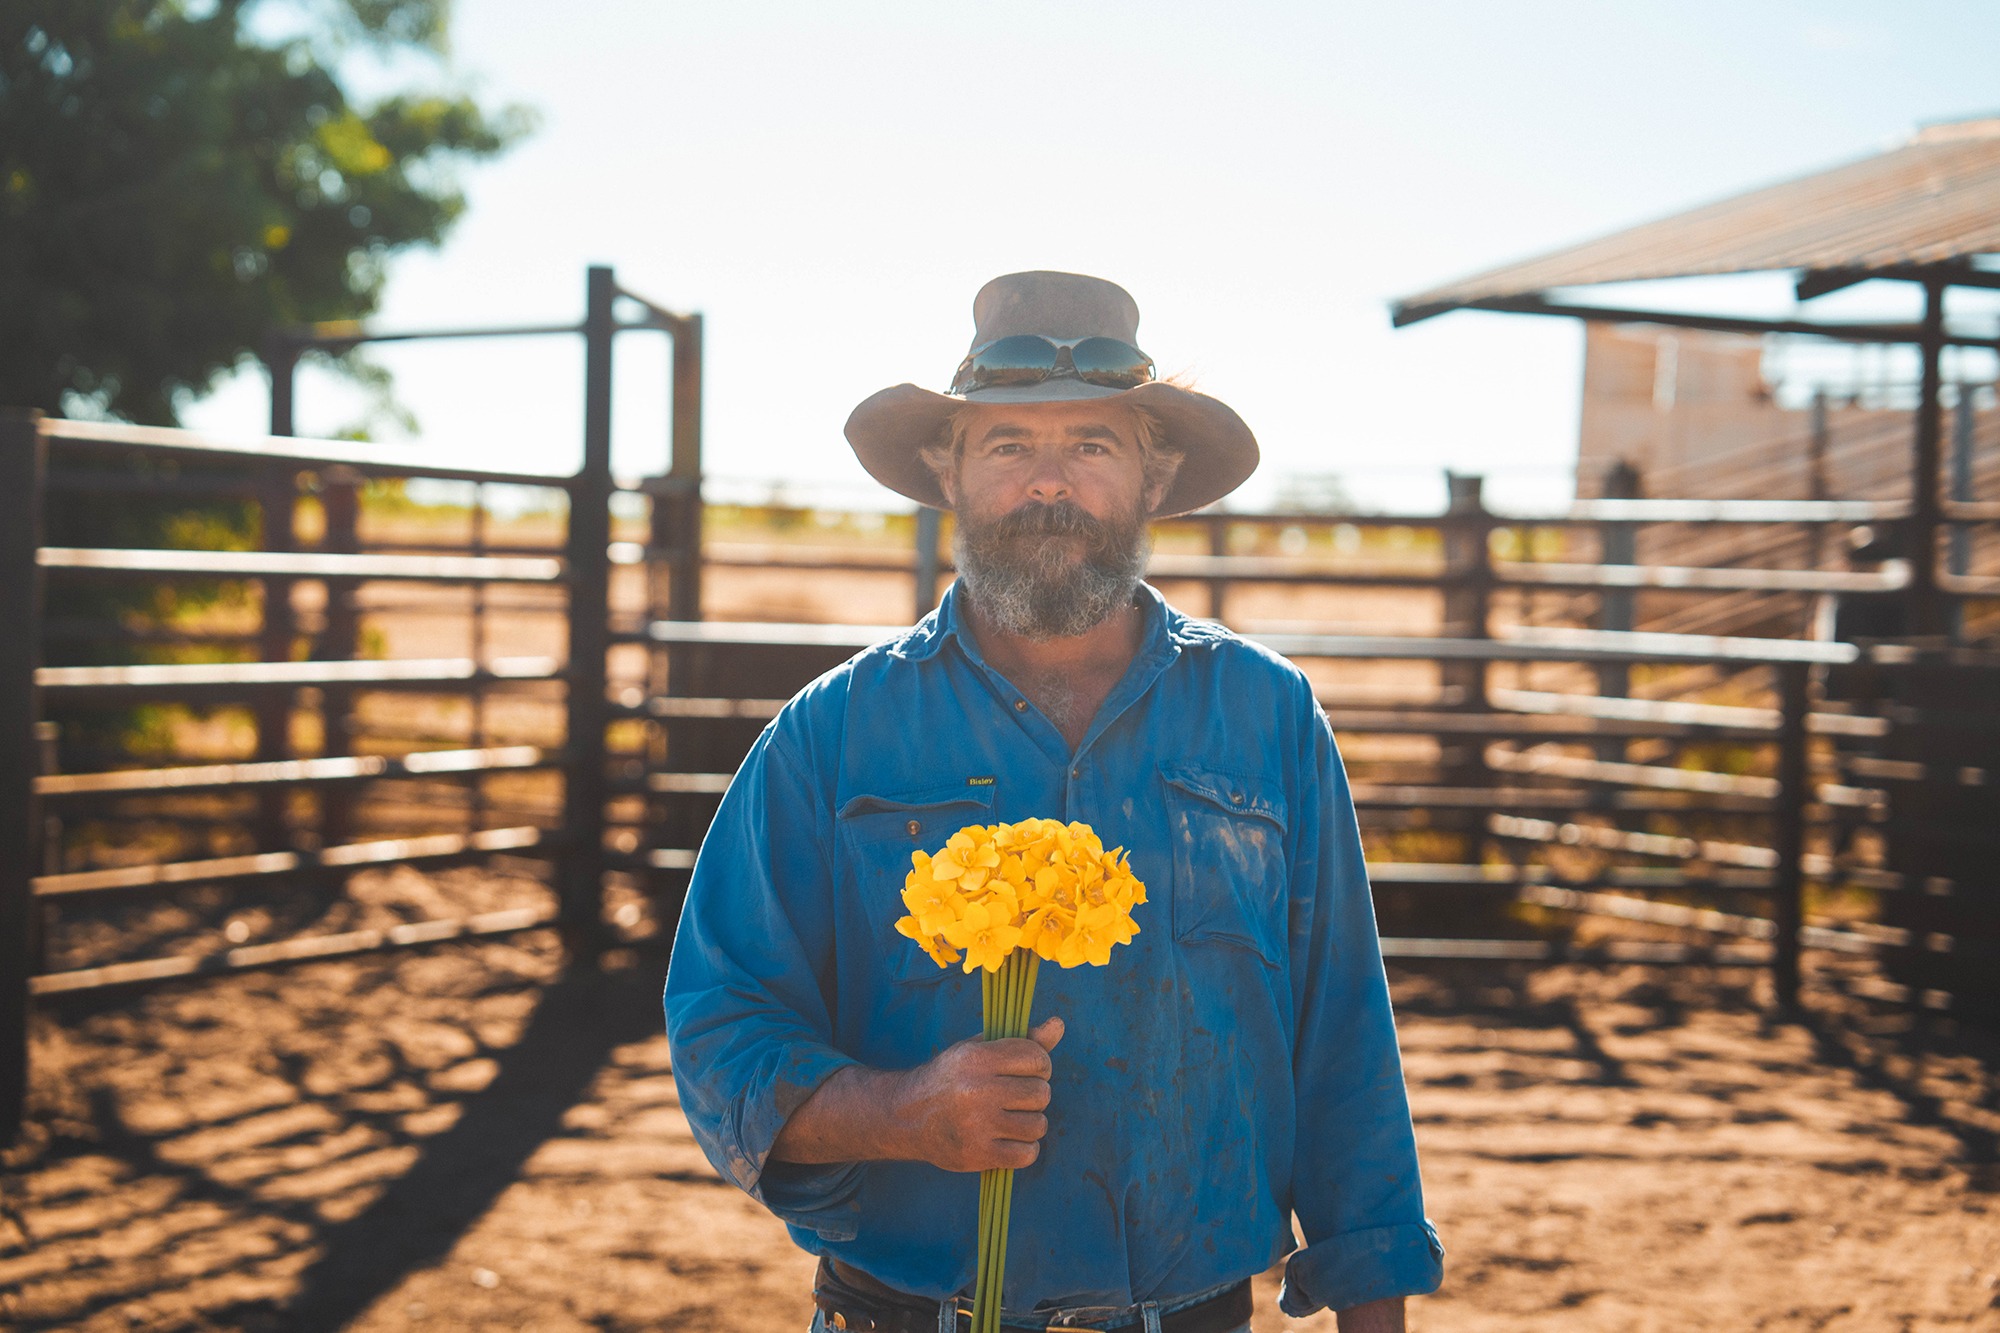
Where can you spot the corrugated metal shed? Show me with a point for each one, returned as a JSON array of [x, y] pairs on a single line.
[[1933, 201]]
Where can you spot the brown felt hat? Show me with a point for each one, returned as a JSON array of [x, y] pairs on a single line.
[[890, 429]]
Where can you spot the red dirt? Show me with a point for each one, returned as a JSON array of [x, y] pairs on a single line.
[[466, 1140]]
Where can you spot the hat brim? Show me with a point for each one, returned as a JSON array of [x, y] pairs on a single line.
[[890, 430]]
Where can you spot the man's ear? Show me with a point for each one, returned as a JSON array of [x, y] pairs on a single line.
[[1156, 490], [948, 483]]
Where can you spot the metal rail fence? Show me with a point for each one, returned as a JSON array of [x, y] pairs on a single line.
[[1526, 793], [292, 818], [1526, 770]]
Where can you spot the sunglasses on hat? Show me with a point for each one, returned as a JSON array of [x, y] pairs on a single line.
[[1029, 358]]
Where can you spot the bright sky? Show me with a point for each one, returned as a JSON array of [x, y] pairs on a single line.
[[830, 184]]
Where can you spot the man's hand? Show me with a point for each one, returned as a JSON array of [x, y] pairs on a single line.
[[976, 1107]]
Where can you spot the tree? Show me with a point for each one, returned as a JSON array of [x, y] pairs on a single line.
[[174, 185]]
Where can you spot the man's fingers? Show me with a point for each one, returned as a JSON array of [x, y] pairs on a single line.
[[1047, 1033], [1018, 1055], [1021, 1126], [1013, 1156], [1023, 1094]]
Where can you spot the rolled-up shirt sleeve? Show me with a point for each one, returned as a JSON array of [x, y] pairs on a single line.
[[748, 1018], [1355, 1186]]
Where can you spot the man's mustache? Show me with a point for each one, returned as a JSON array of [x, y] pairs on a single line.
[[1061, 519]]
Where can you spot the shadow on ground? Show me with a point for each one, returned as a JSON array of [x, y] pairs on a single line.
[[417, 1220]]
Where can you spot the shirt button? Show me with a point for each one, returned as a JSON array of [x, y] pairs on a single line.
[[1020, 705], [915, 828], [1237, 797], [1076, 772]]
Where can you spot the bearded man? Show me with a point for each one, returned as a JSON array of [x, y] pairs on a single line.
[[1235, 1066]]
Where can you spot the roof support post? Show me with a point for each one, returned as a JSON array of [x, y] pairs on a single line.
[[1927, 611]]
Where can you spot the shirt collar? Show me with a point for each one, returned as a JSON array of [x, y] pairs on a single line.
[[1167, 630]]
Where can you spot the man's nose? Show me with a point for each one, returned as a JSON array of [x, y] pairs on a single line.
[[1048, 482]]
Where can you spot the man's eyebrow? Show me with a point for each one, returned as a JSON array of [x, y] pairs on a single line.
[[1009, 430]]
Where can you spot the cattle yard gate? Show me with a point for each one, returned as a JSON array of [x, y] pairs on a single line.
[[1542, 772]]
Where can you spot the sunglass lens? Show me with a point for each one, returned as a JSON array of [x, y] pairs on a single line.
[[1021, 358], [1110, 362], [1022, 351]]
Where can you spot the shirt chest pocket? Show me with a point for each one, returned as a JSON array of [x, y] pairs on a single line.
[[1230, 881], [877, 835]]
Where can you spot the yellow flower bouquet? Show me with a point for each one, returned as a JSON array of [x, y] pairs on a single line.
[[1004, 897]]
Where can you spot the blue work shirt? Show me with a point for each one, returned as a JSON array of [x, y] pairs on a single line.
[[1235, 1064]]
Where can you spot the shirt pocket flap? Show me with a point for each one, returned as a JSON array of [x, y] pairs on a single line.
[[1230, 791], [870, 818], [1230, 880], [879, 832]]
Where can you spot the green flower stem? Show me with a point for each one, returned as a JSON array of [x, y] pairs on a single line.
[[1007, 1004]]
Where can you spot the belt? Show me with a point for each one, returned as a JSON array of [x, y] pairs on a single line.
[[857, 1303]]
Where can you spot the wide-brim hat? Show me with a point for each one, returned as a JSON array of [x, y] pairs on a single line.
[[890, 430]]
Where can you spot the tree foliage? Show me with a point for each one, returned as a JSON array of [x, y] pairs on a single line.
[[175, 184]]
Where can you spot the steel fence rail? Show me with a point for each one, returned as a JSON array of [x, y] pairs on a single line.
[[303, 564], [351, 768], [304, 949], [348, 856], [369, 459]]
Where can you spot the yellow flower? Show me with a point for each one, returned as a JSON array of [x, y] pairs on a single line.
[[932, 903], [985, 934], [1044, 931], [1001, 897], [1039, 884], [1053, 886], [1090, 940], [941, 953]]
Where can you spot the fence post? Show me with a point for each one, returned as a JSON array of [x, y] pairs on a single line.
[[1467, 585], [277, 499], [340, 641], [683, 497], [1218, 546], [1958, 544], [1618, 545], [22, 453], [1789, 835], [1468, 579], [930, 530], [580, 876]]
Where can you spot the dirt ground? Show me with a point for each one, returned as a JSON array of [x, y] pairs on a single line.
[[469, 1140]]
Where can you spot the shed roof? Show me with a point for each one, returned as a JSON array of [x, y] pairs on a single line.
[[1934, 201]]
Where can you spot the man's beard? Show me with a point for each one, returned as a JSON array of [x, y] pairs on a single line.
[[1021, 573]]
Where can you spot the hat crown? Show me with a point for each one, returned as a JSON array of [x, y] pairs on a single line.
[[1054, 305]]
